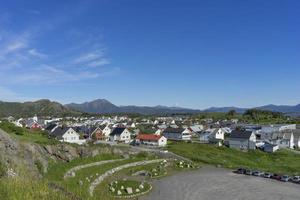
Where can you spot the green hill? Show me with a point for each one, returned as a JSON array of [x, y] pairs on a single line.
[[42, 107]]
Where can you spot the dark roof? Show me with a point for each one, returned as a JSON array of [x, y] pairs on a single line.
[[50, 127], [240, 134], [102, 127], [59, 132], [173, 130], [117, 131]]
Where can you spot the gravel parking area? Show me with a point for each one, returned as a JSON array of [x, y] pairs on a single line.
[[211, 183]]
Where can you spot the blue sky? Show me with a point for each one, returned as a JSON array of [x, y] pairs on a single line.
[[185, 53]]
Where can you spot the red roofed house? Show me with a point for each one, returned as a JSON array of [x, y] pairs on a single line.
[[151, 139], [35, 126]]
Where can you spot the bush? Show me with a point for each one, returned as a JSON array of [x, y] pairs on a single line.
[[11, 128], [2, 170]]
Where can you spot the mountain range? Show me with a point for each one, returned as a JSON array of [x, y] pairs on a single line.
[[43, 107], [104, 106], [292, 110], [46, 107]]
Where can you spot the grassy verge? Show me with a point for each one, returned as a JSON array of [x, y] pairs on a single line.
[[26, 188], [26, 135], [283, 161], [79, 184], [56, 171]]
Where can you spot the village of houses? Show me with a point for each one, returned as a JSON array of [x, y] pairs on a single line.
[[123, 129]]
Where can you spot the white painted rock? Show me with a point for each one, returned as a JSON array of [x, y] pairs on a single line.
[[119, 192], [137, 190], [129, 190], [122, 187], [141, 186]]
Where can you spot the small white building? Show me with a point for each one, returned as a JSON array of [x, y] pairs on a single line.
[[152, 139], [67, 134], [218, 134], [107, 131], [159, 132], [120, 135]]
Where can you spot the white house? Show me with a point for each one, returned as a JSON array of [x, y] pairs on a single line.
[[205, 135], [159, 132], [197, 128], [283, 139], [242, 140], [270, 148], [296, 134], [120, 135], [67, 134], [177, 134], [218, 134], [152, 139], [107, 131]]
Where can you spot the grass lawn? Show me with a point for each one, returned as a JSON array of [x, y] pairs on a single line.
[[72, 184], [79, 184], [57, 170], [27, 188], [283, 161]]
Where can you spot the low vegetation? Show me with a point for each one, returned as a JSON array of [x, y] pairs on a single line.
[[27, 188], [283, 161], [27, 135]]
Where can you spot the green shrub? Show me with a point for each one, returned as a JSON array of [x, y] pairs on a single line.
[[2, 170]]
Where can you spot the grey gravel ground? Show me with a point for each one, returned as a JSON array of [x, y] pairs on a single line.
[[211, 183]]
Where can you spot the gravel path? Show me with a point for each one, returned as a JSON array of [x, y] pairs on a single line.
[[79, 167], [211, 183]]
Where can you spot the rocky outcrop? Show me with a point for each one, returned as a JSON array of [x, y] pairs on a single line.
[[35, 158]]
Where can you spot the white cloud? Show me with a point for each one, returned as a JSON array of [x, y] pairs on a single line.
[[99, 62], [23, 62], [92, 59], [36, 53], [46, 75], [88, 57]]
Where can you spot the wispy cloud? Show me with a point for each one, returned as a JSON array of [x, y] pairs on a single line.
[[36, 53], [26, 60], [92, 59], [47, 75]]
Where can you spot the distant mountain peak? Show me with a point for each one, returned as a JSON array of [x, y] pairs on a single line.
[[105, 106]]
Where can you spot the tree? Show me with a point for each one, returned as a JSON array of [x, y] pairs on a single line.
[[231, 113]]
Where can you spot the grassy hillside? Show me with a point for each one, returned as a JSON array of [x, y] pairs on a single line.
[[23, 134], [27, 188], [283, 161], [29, 109]]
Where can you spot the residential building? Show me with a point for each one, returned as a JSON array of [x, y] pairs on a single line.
[[67, 134], [120, 134], [242, 140], [152, 139], [176, 134]]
